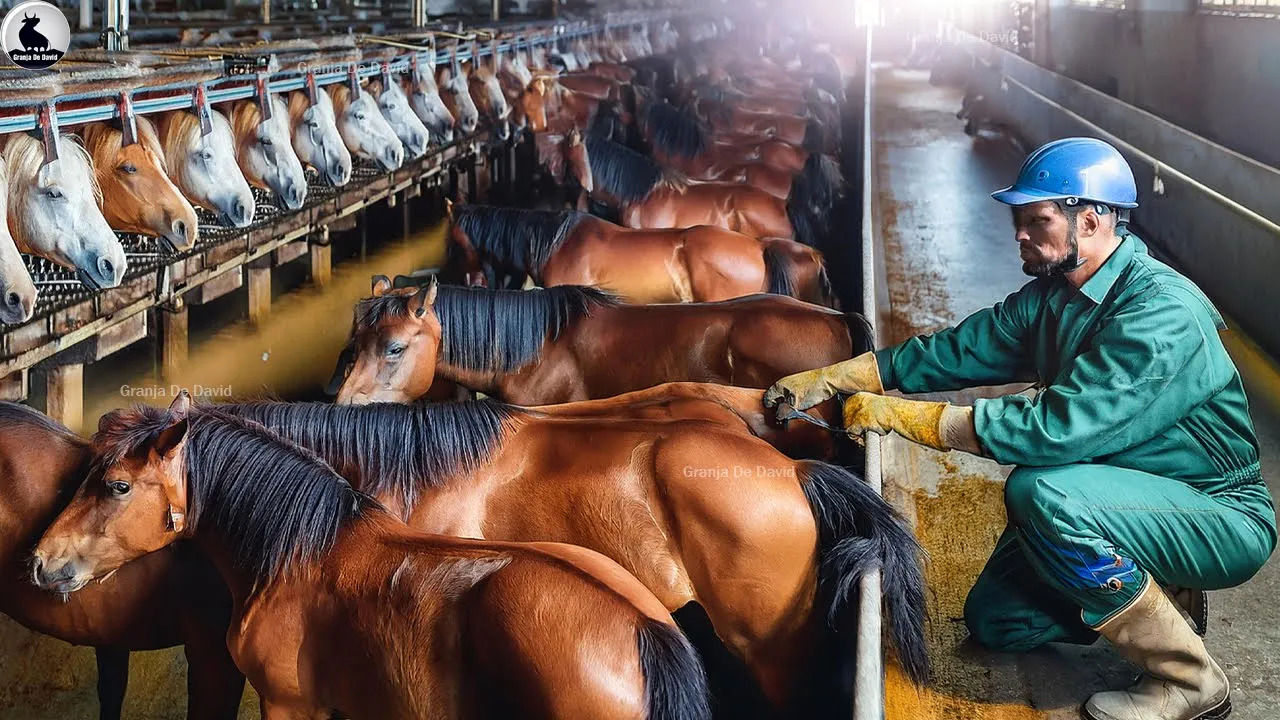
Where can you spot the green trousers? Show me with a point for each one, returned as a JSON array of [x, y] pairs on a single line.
[[1082, 538]]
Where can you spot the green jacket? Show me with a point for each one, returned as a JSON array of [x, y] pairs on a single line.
[[1132, 369]]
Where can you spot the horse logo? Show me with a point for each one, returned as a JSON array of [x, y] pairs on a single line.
[[35, 34]]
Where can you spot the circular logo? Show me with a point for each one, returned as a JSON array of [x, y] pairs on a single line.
[[35, 34]]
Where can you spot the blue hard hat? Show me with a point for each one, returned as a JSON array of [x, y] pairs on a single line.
[[1078, 169]]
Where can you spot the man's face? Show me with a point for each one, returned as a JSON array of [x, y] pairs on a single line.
[[1046, 239]]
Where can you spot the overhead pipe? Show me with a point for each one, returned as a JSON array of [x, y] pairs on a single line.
[[115, 25]]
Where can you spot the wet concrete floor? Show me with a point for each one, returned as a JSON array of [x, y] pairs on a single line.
[[947, 250]]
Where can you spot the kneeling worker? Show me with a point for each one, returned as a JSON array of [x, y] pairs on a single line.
[[1137, 462]]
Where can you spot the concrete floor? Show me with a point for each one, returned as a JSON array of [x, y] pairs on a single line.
[[947, 250]]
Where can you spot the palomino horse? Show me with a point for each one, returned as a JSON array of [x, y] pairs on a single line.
[[314, 129], [452, 85], [142, 197], [699, 264], [424, 98], [55, 209], [399, 114], [446, 628], [264, 149], [203, 166], [561, 344], [656, 496], [650, 196], [363, 127], [17, 291], [167, 598]]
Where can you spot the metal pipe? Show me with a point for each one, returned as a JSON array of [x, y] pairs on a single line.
[[115, 25], [86, 14], [266, 12], [495, 12], [868, 680], [419, 13]]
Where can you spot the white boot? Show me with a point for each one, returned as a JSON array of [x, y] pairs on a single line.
[[1179, 682]]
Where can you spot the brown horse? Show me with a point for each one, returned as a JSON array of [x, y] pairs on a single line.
[[562, 344], [661, 498], [168, 598], [564, 157], [339, 609], [698, 264], [651, 196], [138, 197]]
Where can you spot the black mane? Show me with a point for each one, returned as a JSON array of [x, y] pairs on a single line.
[[394, 449], [518, 239], [276, 505], [621, 171], [675, 131], [494, 330]]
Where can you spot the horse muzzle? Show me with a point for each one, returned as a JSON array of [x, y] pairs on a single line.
[[65, 578]]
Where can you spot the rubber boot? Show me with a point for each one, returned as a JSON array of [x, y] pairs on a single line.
[[1179, 681], [1194, 604]]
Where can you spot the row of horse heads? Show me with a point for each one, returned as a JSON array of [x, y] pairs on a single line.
[[149, 180]]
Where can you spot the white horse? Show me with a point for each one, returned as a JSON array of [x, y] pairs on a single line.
[[363, 128], [424, 98], [17, 291], [204, 166], [316, 139], [400, 116], [56, 212], [264, 150]]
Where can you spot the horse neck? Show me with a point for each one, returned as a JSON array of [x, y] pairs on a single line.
[[38, 473], [488, 382]]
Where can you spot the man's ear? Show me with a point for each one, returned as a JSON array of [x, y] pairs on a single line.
[[1090, 221]]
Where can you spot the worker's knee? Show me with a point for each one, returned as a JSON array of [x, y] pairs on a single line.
[[994, 625], [1034, 499]]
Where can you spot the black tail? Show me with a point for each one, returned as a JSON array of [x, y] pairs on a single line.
[[675, 685], [862, 336], [823, 181], [859, 531], [805, 228], [780, 270]]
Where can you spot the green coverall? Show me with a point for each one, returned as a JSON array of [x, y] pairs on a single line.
[[1138, 456]]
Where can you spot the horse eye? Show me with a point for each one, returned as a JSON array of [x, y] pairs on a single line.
[[53, 193], [129, 168], [360, 117], [206, 155], [118, 487], [395, 350], [266, 142]]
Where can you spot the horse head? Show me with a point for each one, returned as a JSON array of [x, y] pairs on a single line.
[[457, 98], [363, 128], [56, 209], [424, 98], [395, 345], [264, 149], [315, 136], [138, 197], [399, 115], [203, 166], [17, 291]]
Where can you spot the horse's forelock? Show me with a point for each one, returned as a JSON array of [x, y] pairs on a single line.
[[127, 432]]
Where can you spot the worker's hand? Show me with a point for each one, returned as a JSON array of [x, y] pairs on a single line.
[[915, 420], [805, 389]]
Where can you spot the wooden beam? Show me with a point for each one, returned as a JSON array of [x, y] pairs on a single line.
[[321, 263], [64, 394], [13, 387]]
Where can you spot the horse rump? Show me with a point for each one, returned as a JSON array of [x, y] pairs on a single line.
[[675, 685]]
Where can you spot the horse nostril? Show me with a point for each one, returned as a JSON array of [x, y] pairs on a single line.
[[13, 300], [180, 229], [106, 269]]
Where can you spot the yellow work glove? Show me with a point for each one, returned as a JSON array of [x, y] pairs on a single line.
[[805, 389], [938, 425]]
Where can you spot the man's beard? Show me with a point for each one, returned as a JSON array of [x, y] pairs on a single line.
[[1063, 266]]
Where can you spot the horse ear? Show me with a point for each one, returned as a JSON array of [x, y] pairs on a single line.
[[171, 438], [424, 298], [575, 137], [181, 405], [381, 284], [448, 208]]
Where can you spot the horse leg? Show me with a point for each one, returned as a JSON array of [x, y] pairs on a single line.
[[214, 683], [113, 679]]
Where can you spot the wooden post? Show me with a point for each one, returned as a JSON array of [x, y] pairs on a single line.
[[259, 277], [321, 263], [64, 394], [173, 341]]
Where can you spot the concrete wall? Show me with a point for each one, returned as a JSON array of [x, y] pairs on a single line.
[[1233, 259], [1216, 75]]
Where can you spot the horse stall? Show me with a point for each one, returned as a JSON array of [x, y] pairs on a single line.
[[596, 235]]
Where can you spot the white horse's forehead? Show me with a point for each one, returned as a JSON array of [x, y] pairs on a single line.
[[363, 101]]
